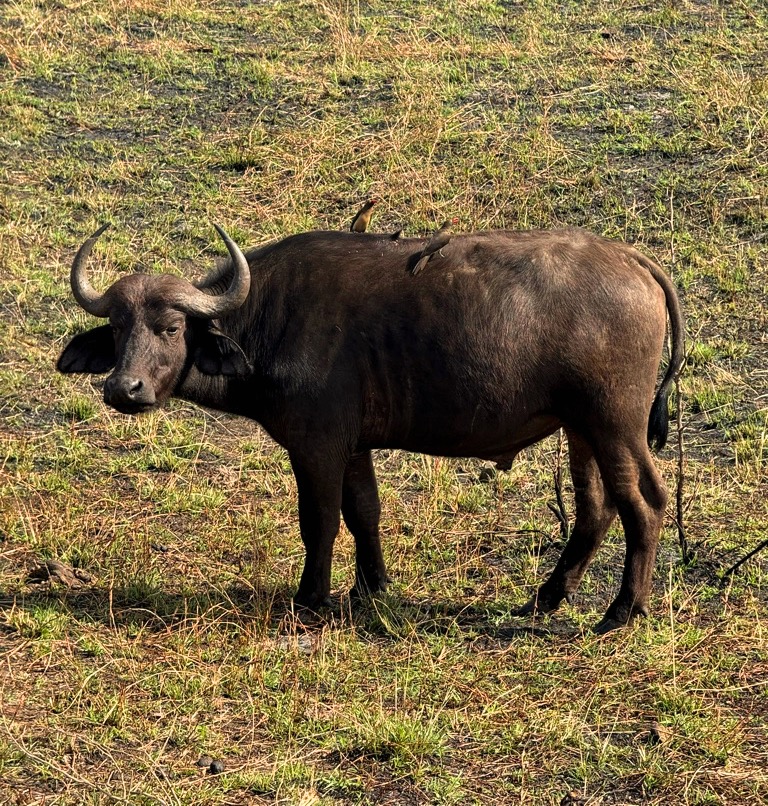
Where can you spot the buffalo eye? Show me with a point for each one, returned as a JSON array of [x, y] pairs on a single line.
[[168, 332]]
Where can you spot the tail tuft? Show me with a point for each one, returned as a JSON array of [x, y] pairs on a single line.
[[658, 421]]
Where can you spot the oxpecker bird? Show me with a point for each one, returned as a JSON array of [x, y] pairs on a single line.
[[363, 218], [436, 243]]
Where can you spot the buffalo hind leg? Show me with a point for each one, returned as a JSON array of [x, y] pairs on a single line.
[[641, 497], [361, 509], [319, 485], [594, 514]]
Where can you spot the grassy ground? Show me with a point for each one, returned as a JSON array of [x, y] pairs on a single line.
[[645, 121]]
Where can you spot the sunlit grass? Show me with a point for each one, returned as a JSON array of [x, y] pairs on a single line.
[[644, 122]]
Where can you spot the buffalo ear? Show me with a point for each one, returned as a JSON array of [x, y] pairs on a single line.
[[217, 354], [92, 352]]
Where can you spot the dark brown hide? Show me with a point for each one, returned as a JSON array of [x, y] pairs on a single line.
[[518, 334]]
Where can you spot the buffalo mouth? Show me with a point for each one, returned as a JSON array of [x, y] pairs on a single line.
[[127, 407]]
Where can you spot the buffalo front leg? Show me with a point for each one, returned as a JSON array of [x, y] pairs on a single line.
[[319, 485], [594, 514], [361, 510]]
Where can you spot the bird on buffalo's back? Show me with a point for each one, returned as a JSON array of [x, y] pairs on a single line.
[[363, 217], [435, 244]]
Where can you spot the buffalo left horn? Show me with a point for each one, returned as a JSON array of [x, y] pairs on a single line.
[[86, 295], [207, 306]]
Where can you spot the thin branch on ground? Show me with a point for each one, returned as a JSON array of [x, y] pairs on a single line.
[[559, 510], [735, 567], [685, 551]]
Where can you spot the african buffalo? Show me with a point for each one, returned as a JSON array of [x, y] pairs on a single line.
[[329, 342]]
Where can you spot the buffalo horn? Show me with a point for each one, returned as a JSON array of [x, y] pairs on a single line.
[[198, 303], [85, 294]]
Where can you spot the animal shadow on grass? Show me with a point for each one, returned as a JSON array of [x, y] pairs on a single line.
[[156, 609], [490, 623], [270, 611]]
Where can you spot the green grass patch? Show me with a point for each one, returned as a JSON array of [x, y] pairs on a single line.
[[640, 121]]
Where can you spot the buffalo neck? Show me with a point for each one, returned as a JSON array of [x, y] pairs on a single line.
[[234, 395]]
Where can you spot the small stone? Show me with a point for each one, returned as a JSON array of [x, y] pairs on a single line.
[[302, 643], [216, 767], [658, 734], [486, 474], [55, 571], [204, 761]]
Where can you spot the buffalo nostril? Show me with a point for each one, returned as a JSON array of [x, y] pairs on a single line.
[[135, 388]]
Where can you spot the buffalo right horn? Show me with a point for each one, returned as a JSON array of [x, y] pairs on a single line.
[[207, 306], [86, 295]]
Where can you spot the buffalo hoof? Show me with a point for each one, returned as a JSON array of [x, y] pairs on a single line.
[[606, 625], [617, 618], [364, 589], [313, 602], [361, 594], [528, 609], [541, 603]]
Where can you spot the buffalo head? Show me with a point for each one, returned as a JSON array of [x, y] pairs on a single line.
[[159, 327]]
